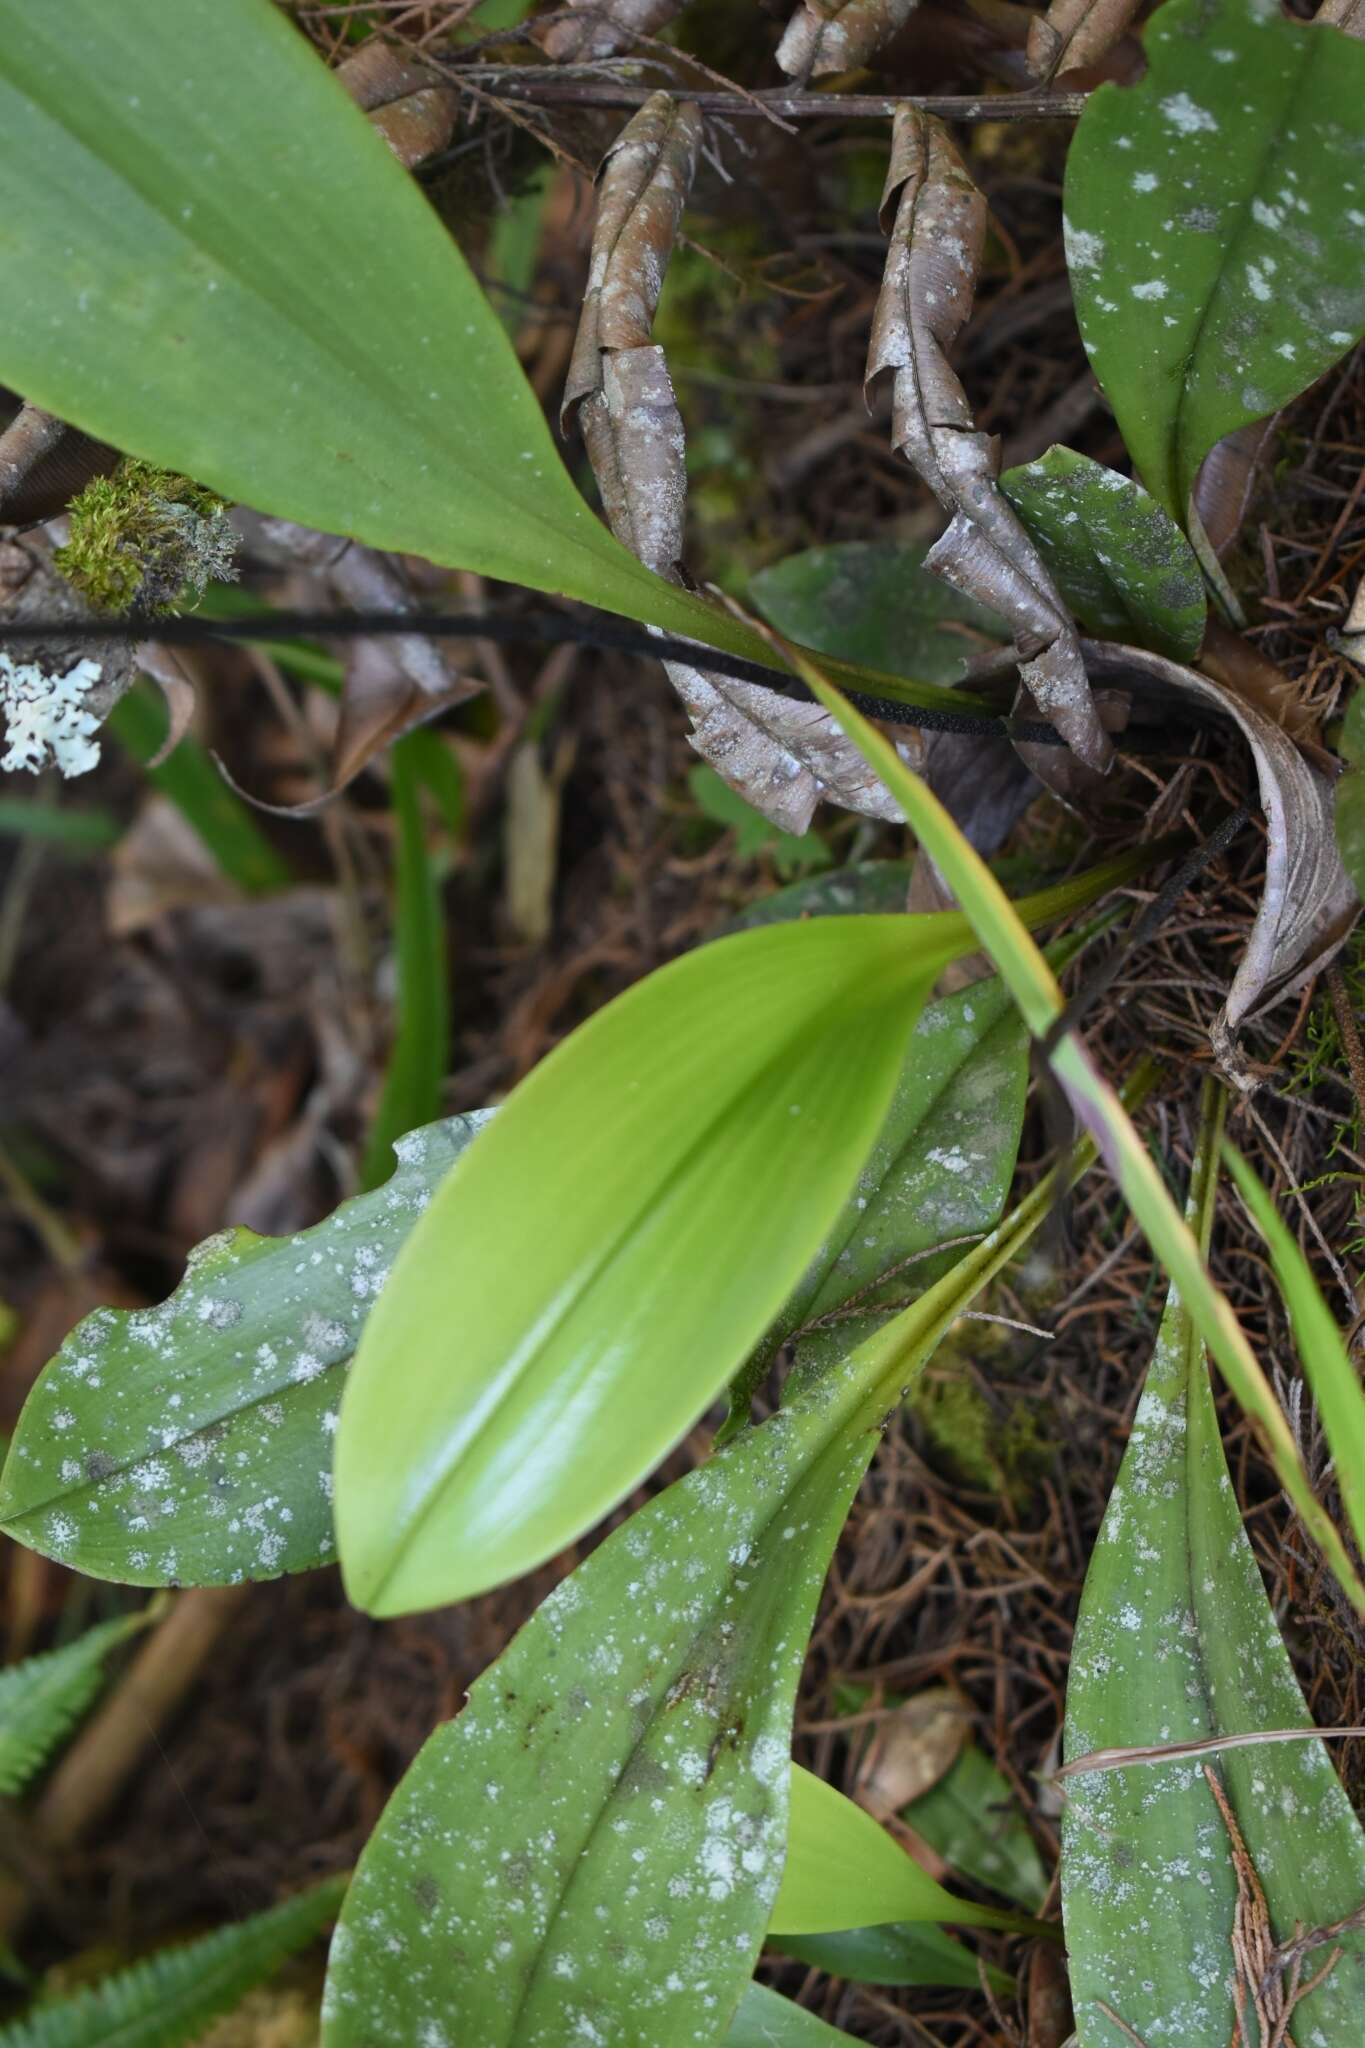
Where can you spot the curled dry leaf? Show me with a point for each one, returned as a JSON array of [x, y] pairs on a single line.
[[1075, 33], [1308, 905], [778, 753], [167, 669], [1228, 477], [599, 28], [413, 111], [825, 36], [926, 296], [391, 686]]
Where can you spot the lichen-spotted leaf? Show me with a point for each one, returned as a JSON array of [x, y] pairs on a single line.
[[1215, 227], [1121, 562], [622, 1773], [1176, 1641], [191, 1444]]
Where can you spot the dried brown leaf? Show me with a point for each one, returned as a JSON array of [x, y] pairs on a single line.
[[910, 1750], [391, 686], [825, 36], [168, 671], [926, 295], [1347, 15], [413, 111], [1251, 675], [1074, 34], [642, 188], [599, 28], [779, 754], [1228, 476], [1308, 906]]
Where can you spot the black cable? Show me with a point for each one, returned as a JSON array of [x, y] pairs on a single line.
[[538, 627]]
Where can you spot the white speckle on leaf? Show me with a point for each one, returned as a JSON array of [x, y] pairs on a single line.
[[1186, 116]]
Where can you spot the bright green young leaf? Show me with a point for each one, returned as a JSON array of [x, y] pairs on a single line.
[[227, 272], [192, 1443], [616, 1245], [843, 1870], [1121, 562], [1214, 217], [873, 602], [169, 2000], [622, 1772], [905, 1952], [1030, 980], [1177, 1642], [767, 2020], [417, 1063], [42, 1698], [1327, 1367], [613, 1248]]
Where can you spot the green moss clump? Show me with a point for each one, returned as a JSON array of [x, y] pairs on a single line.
[[147, 538], [1000, 1453]]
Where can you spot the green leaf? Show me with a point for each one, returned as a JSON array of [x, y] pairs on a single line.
[[1122, 564], [973, 1820], [1213, 217], [842, 1870], [614, 1247], [42, 1698], [417, 1064], [793, 853], [767, 2020], [76, 829], [1004, 936], [903, 1953], [172, 1997], [191, 1443], [1349, 821], [192, 782], [874, 602], [1327, 1367], [1177, 1642], [865, 887], [620, 1775], [227, 272]]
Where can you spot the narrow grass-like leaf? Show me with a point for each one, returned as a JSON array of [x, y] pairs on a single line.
[[1213, 220], [193, 784], [170, 1999], [1176, 1642], [42, 1698], [191, 1444], [209, 213], [1334, 1380], [622, 1772], [417, 1063], [73, 829], [843, 1870], [1024, 969], [1121, 562]]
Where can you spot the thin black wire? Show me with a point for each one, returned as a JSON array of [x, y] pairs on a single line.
[[537, 627]]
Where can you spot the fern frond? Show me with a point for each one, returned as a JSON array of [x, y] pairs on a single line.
[[42, 1699], [170, 1998]]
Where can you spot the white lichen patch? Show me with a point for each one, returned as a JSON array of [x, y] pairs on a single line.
[[47, 717]]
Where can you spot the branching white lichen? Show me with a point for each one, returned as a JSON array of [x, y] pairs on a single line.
[[46, 717]]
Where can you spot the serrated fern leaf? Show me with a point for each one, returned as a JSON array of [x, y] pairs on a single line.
[[42, 1698], [170, 1998]]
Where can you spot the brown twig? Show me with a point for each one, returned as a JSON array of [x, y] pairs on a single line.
[[30, 435], [527, 82], [1350, 1032]]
